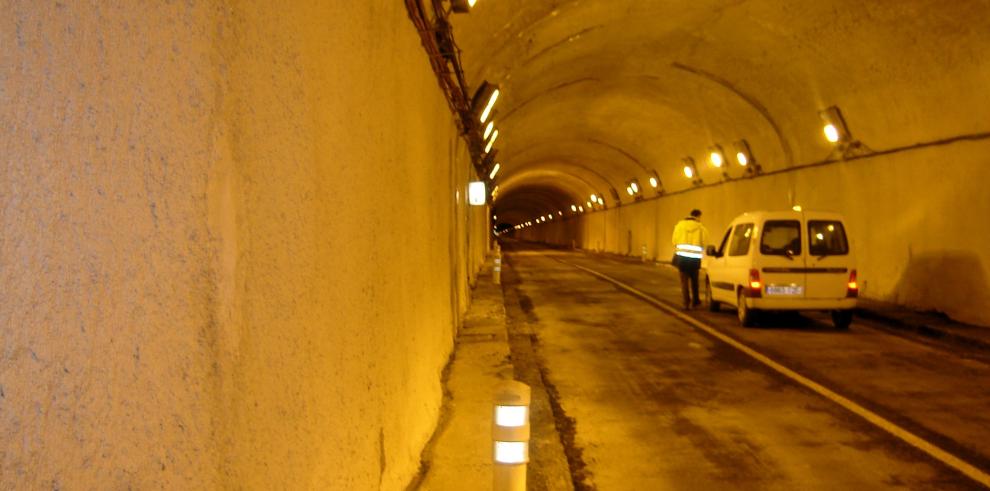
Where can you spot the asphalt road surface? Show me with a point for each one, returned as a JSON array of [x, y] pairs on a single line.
[[648, 398]]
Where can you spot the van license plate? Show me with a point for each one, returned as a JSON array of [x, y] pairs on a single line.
[[787, 291]]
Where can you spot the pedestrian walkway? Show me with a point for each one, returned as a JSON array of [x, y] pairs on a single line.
[[460, 456]]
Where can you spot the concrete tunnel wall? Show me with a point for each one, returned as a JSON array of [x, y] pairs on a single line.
[[234, 245], [916, 221]]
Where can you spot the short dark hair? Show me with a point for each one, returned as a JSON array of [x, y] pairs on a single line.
[[696, 213]]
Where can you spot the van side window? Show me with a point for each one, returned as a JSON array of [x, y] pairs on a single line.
[[741, 238], [721, 247], [781, 238], [827, 238]]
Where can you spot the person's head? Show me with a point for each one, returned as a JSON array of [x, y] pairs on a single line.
[[696, 213]]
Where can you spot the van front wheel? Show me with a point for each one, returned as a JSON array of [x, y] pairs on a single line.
[[746, 315], [841, 319]]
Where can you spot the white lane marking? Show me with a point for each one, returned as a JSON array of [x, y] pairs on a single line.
[[916, 441]]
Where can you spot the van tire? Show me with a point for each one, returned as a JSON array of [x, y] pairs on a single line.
[[841, 319], [746, 315], [713, 306]]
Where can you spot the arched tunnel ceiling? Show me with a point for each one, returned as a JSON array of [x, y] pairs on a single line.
[[597, 92]]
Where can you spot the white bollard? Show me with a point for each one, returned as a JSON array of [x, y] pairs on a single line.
[[643, 253], [497, 270], [510, 435]]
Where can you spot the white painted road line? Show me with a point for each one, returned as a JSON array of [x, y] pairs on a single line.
[[929, 448]]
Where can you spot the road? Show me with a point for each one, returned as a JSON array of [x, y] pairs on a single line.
[[646, 399]]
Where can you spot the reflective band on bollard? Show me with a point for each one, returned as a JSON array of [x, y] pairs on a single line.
[[510, 435]]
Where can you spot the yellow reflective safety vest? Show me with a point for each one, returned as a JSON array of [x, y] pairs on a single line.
[[689, 238]]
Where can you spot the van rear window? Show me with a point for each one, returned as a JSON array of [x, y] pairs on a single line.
[[781, 238], [827, 238]]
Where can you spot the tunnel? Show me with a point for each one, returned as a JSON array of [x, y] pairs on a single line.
[[238, 247]]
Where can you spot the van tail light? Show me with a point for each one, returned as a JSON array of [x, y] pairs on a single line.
[[755, 284], [852, 288]]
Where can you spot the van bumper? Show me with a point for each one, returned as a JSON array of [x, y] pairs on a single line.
[[801, 303]]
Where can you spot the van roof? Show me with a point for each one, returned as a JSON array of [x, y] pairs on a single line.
[[761, 215]]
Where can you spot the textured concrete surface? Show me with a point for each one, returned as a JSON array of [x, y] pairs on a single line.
[[234, 245], [600, 92]]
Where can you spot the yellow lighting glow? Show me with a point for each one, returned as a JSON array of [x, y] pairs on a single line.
[[494, 171], [594, 197], [581, 209], [831, 133], [573, 207], [654, 182], [635, 187], [472, 2], [796, 208], [716, 159], [589, 204], [820, 236], [629, 190], [560, 213], [601, 201], [511, 452], [550, 216], [688, 171], [488, 148], [510, 416], [488, 107], [831, 228], [488, 129], [741, 158]]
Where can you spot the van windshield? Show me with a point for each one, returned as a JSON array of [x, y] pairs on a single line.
[[827, 238], [781, 238]]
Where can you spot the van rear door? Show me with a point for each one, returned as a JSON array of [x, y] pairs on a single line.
[[829, 260], [782, 259]]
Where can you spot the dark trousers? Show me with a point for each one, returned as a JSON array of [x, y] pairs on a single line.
[[689, 274]]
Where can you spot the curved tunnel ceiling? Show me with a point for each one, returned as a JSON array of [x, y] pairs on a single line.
[[598, 92]]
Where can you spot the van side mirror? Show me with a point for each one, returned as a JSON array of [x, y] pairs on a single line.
[[710, 250]]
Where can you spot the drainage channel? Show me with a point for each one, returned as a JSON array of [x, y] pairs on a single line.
[[557, 462]]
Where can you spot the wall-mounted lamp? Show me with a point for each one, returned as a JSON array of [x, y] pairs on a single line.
[[691, 171], [744, 157], [655, 182], [594, 197], [488, 130], [581, 209], [491, 141], [484, 100], [834, 126], [462, 6], [494, 172], [476, 193], [574, 208], [717, 157], [560, 213]]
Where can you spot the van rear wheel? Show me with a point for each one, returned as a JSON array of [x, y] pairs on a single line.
[[841, 319], [713, 306], [746, 315]]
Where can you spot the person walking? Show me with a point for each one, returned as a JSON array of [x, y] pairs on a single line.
[[689, 240]]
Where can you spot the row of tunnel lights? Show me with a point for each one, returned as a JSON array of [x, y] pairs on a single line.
[[834, 128]]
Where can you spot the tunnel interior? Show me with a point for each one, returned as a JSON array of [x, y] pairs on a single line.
[[237, 245], [604, 98]]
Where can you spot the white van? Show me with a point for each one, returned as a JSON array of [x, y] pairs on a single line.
[[783, 260]]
